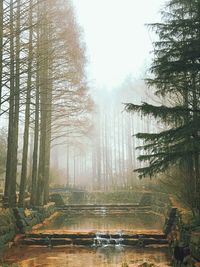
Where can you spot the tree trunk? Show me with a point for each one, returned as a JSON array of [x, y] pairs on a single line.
[[36, 125], [35, 147], [48, 143], [9, 162], [45, 94], [27, 115], [1, 48], [16, 112]]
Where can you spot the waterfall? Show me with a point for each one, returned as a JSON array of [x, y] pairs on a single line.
[[104, 239]]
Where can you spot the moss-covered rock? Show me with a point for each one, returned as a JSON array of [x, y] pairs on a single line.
[[27, 218], [195, 244], [7, 226], [57, 199]]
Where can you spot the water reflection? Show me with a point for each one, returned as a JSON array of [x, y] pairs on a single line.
[[103, 256], [88, 222], [90, 257]]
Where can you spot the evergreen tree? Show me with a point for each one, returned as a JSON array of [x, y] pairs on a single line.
[[175, 78]]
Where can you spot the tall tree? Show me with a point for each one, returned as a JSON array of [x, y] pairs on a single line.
[[42, 86], [1, 47], [10, 183], [176, 81], [27, 110]]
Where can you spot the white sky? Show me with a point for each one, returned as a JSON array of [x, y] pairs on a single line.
[[117, 41]]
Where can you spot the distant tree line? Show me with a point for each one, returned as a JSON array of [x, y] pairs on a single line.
[[113, 153], [175, 78], [106, 160], [42, 88]]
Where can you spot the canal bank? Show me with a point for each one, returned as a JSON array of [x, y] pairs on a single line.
[[19, 220], [177, 224], [105, 254], [183, 237]]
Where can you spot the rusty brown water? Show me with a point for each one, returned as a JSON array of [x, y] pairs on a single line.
[[89, 257], [135, 222], [112, 256]]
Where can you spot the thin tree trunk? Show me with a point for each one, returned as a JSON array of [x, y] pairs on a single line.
[[68, 181], [119, 150], [1, 48], [99, 157], [16, 112], [48, 144], [35, 148], [43, 51], [8, 181], [115, 148], [196, 138], [36, 125], [27, 115]]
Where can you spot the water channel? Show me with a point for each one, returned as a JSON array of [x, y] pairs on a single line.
[[94, 256]]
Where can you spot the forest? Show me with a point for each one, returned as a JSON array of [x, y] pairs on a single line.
[[45, 104], [43, 91], [116, 168]]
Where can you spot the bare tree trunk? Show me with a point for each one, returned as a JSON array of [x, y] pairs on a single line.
[[129, 148], [27, 115], [9, 162], [115, 148], [48, 143], [94, 167], [110, 147], [74, 172], [123, 151], [105, 134], [16, 112], [1, 48], [36, 124], [43, 140], [119, 150], [68, 174], [133, 141], [196, 138], [44, 87], [97, 145], [35, 147]]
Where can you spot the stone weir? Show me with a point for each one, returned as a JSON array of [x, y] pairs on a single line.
[[179, 231], [98, 239], [62, 238], [103, 209]]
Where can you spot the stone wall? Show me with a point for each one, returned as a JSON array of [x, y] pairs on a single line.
[[160, 203], [19, 220], [97, 197], [181, 230], [27, 218], [195, 243], [183, 235], [7, 226], [116, 197]]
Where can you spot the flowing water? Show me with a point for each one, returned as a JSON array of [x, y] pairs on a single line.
[[99, 256]]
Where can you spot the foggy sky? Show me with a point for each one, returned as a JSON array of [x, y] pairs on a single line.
[[118, 42]]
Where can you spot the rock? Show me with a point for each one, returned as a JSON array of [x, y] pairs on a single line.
[[147, 264]]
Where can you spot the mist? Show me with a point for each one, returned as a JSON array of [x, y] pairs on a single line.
[[105, 156]]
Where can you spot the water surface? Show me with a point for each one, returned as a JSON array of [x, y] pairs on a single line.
[[136, 222], [110, 256], [89, 257]]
